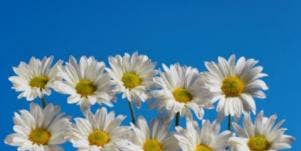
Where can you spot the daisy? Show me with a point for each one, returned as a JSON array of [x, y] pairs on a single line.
[[39, 129], [132, 76], [35, 78], [180, 90], [99, 132], [153, 138], [207, 138], [86, 82], [263, 135], [234, 84]]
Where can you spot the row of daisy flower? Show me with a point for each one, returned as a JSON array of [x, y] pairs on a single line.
[[176, 90]]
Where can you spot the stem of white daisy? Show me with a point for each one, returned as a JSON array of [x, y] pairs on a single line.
[[43, 102], [229, 123], [132, 112], [177, 123], [229, 128]]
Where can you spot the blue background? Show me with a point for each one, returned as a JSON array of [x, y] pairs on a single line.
[[171, 31]]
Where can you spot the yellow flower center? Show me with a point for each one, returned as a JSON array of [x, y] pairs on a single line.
[[131, 80], [258, 143], [202, 147], [39, 136], [152, 145], [39, 82], [233, 86], [98, 138], [85, 87], [182, 95]]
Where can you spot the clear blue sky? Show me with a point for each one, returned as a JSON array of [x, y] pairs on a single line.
[[171, 31]]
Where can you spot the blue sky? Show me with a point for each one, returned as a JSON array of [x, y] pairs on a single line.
[[188, 32]]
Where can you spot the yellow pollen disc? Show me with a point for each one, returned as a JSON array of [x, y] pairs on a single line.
[[233, 86], [39, 82], [258, 143], [98, 138], [182, 95], [202, 147], [39, 136], [152, 145], [85, 87], [131, 80]]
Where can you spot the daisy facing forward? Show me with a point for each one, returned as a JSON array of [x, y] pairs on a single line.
[[132, 76], [35, 78], [86, 82], [99, 132], [153, 138], [263, 135], [39, 129], [235, 84], [180, 90], [207, 138]]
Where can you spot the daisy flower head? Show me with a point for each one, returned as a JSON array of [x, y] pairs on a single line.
[[262, 135], [132, 76], [234, 84], [99, 132], [36, 78], [86, 82], [180, 91], [155, 137], [207, 138], [39, 129]]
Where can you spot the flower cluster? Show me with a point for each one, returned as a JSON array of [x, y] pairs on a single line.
[[176, 91]]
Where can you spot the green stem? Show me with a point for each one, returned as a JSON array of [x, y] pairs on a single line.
[[43, 101], [229, 128], [177, 119], [132, 112], [229, 123]]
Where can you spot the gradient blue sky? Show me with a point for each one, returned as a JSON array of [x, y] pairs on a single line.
[[172, 31]]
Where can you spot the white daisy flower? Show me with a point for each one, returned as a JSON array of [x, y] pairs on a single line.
[[39, 129], [264, 135], [235, 84], [86, 82], [35, 78], [180, 90], [99, 132], [153, 138], [132, 76], [207, 138]]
